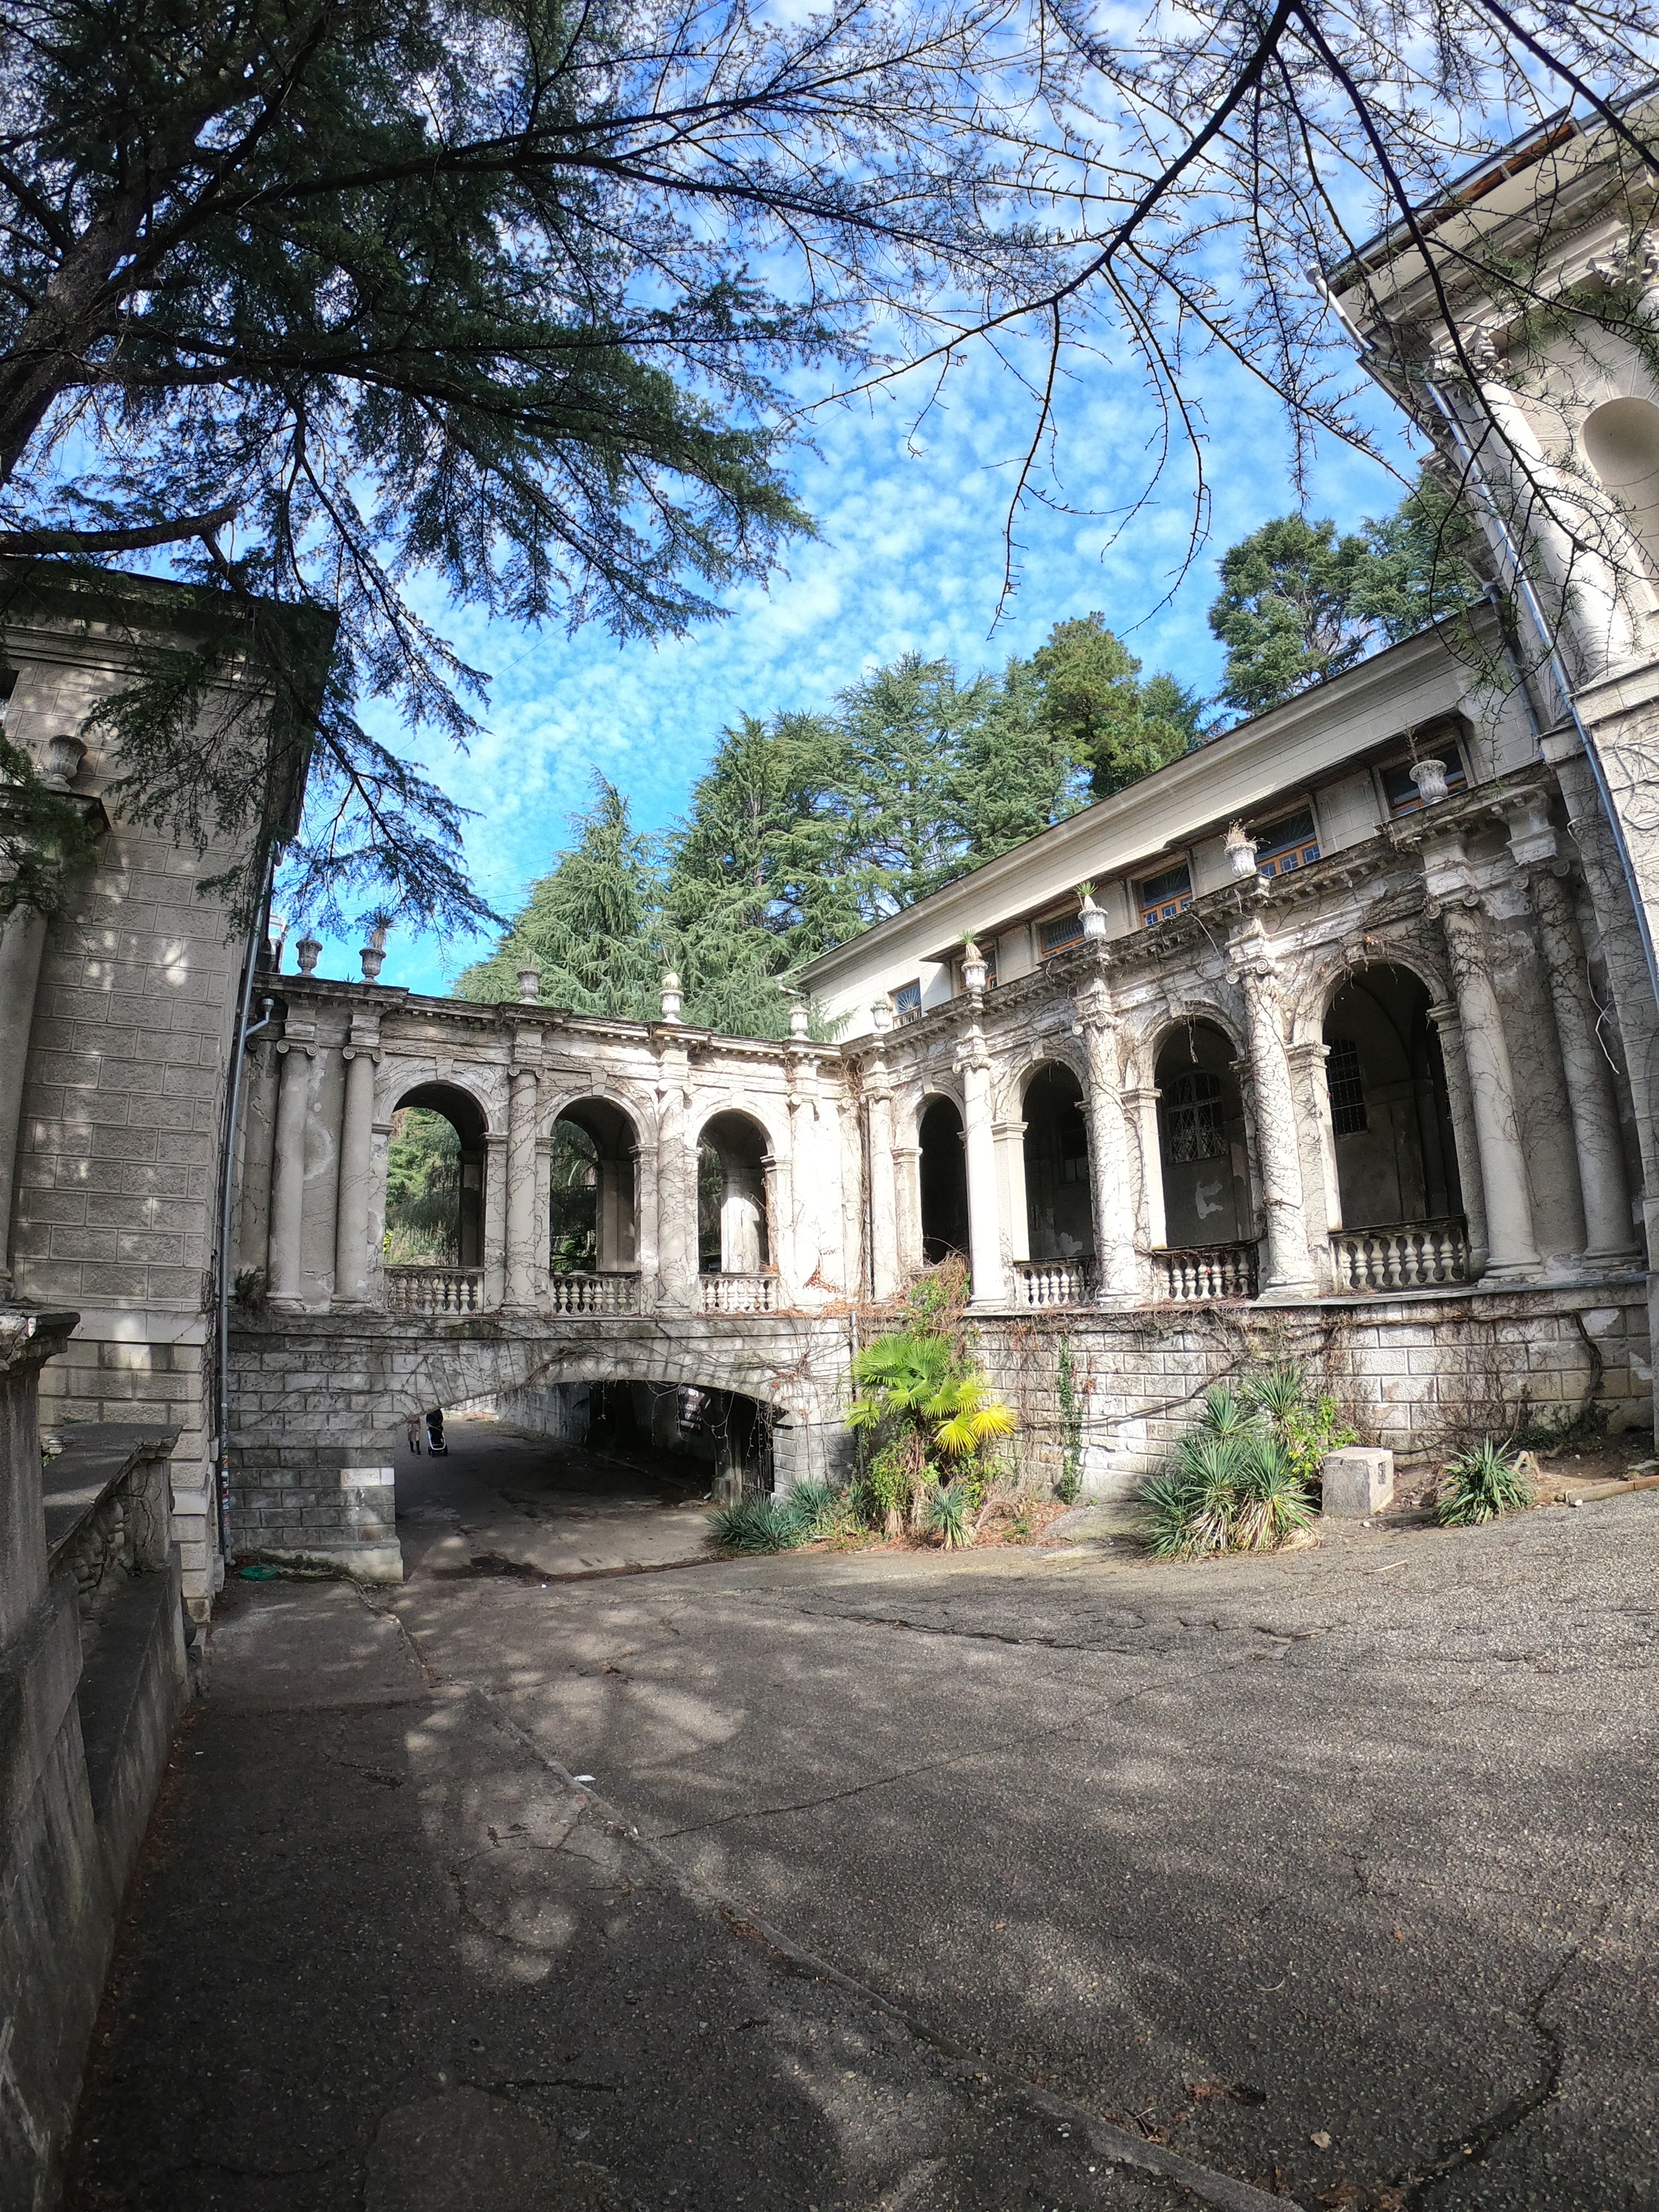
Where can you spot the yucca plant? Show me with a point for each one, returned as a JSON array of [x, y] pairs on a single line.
[[1270, 1499], [1233, 1484], [753, 1524], [1481, 1484], [949, 1515], [814, 1510]]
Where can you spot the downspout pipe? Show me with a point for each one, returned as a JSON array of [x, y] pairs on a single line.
[[1456, 431], [246, 1030]]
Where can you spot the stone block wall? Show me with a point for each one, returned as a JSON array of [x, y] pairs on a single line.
[[1420, 1374]]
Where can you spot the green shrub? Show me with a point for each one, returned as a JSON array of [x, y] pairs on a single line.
[[814, 1510], [948, 1516], [754, 1524], [1239, 1482], [1481, 1484], [1308, 1429]]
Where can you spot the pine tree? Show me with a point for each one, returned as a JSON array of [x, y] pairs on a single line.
[[1100, 712], [1016, 775]]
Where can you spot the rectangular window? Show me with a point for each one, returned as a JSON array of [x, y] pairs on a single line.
[[907, 999], [1401, 794], [1163, 897], [1347, 1091], [1059, 932], [1291, 843]]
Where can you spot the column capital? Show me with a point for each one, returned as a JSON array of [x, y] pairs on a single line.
[[361, 1051], [1093, 1002], [1525, 818], [1250, 952]]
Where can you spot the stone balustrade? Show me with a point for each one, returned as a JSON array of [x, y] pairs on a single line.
[[1415, 1256], [737, 1294], [1205, 1271], [1052, 1282], [430, 1292], [614, 1290]]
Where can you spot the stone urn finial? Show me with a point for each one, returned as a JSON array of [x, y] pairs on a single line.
[[530, 984], [65, 755], [1094, 918], [671, 997], [308, 951], [373, 955], [881, 1015], [973, 969], [1241, 850], [1430, 777], [800, 1022]]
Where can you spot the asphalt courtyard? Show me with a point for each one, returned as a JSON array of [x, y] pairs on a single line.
[[1022, 1879]]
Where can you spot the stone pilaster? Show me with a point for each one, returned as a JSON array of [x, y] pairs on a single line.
[[523, 1134], [1141, 1107], [351, 1242], [1287, 1270], [23, 939], [1013, 1206], [494, 1223], [1111, 1192], [984, 1230], [288, 1171], [1511, 1250], [884, 1212], [1460, 1100]]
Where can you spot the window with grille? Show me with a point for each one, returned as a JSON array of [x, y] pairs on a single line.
[[1291, 843], [907, 999], [1194, 1118], [1163, 897], [1402, 793], [1062, 930], [1347, 1088]]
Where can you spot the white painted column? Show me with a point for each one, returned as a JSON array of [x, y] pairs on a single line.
[[643, 1161], [743, 1210], [906, 1193], [258, 1139], [1460, 1099], [21, 943], [1511, 1250], [351, 1252], [1289, 1267], [288, 1173], [1140, 1105], [521, 1182], [1310, 1086], [1013, 1200], [878, 1126], [677, 1185], [984, 1230], [1609, 1234], [1117, 1275]]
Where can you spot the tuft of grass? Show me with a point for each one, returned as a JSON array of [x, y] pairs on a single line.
[[1480, 1484], [949, 1515]]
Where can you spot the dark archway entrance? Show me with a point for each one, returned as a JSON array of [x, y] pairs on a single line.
[[733, 1235], [591, 1228], [1205, 1160], [1396, 1161], [943, 1175], [1059, 1216]]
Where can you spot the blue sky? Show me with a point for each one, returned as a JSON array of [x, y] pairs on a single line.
[[909, 556]]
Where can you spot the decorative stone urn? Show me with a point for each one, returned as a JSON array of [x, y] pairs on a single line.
[[973, 970], [1241, 851], [1430, 777], [671, 997], [373, 955], [65, 755], [799, 1023], [1094, 920], [530, 985], [308, 951]]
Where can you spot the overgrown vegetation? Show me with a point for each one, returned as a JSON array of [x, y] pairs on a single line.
[[422, 1189], [1481, 1484], [1243, 1480]]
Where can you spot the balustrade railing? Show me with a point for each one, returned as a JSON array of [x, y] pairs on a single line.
[[615, 1291], [1052, 1282], [1413, 1256], [1205, 1271], [737, 1294], [434, 1291]]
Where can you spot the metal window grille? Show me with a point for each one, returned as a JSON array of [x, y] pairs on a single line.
[[907, 999], [1163, 897], [1065, 929], [1347, 1088], [1289, 843], [1193, 1118]]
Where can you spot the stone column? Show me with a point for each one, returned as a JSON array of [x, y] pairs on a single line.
[[1311, 1087], [521, 1181], [884, 1212], [288, 1173], [1140, 1105], [984, 1230], [21, 943], [907, 1189], [1014, 1208], [1511, 1249], [1116, 1272], [1289, 1269], [258, 1137], [494, 1219], [1609, 1237], [743, 1210], [351, 1254], [642, 1166], [1460, 1099], [677, 1186]]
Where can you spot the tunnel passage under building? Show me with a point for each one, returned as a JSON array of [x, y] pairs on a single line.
[[434, 1202], [591, 1220], [1206, 1159], [1059, 1219], [943, 1169], [733, 1235], [722, 1440], [1396, 1160]]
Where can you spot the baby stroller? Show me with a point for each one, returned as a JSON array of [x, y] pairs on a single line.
[[434, 1434]]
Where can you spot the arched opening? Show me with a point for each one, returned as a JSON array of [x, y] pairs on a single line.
[[434, 1186], [943, 1175], [1621, 443], [592, 1220], [1205, 1156], [733, 1233], [1059, 1219], [1396, 1159]]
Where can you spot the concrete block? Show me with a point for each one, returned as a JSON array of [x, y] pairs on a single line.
[[1357, 1482]]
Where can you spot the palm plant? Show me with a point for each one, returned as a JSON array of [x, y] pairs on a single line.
[[922, 1411]]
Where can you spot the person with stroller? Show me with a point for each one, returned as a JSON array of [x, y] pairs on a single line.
[[435, 1433]]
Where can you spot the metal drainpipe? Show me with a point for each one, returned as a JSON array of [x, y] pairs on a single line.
[[1471, 459], [227, 1174]]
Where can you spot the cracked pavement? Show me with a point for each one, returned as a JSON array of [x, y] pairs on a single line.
[[1332, 1872]]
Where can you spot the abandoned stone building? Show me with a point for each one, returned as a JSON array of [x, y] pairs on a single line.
[[1334, 1040]]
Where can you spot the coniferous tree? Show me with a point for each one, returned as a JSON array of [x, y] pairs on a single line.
[[1099, 710]]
